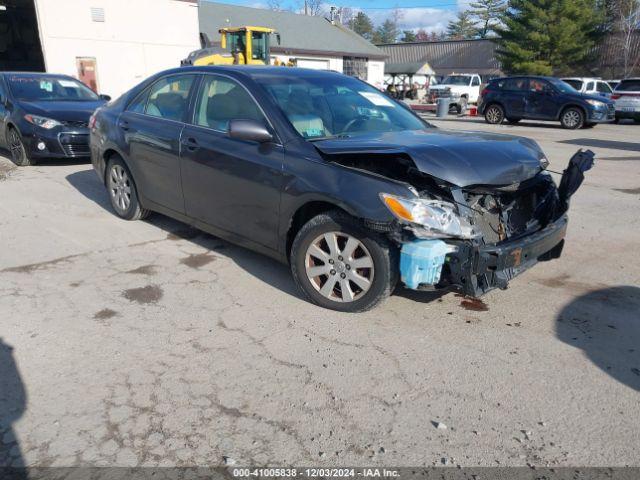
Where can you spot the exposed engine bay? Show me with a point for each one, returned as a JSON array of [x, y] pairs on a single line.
[[513, 226]]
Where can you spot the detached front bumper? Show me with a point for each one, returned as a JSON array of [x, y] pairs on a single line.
[[475, 270]]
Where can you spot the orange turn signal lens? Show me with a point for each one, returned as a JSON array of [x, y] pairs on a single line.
[[397, 208]]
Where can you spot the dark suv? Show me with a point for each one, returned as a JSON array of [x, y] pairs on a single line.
[[543, 98]]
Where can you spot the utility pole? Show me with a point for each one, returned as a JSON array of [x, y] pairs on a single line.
[[306, 9]]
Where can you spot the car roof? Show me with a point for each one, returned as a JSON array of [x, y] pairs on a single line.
[[584, 79], [253, 71]]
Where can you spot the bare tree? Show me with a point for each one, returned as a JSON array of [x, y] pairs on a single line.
[[274, 5], [313, 7], [625, 31]]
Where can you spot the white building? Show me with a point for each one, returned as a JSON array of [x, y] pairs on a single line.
[[109, 44]]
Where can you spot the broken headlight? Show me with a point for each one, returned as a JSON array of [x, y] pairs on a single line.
[[436, 218]]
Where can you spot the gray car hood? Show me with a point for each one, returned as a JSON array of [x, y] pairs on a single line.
[[459, 157]]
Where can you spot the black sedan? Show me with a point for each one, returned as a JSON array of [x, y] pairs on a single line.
[[324, 172], [45, 116]]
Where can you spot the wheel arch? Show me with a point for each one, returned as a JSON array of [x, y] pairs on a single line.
[[306, 212], [573, 105], [107, 155]]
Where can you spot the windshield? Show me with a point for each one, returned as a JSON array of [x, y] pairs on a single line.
[[456, 80], [563, 87], [38, 87], [577, 84], [325, 106]]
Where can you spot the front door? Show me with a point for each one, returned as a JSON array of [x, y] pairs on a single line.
[[541, 101], [230, 184], [152, 126]]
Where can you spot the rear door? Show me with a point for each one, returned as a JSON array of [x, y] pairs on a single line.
[[513, 94], [152, 126], [230, 184]]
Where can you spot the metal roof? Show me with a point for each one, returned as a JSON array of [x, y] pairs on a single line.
[[300, 34], [445, 57]]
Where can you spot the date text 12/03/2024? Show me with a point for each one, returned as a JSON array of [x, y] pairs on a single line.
[[314, 472]]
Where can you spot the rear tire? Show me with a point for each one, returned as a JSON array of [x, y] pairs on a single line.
[[494, 114], [123, 193], [19, 154], [572, 118], [364, 277]]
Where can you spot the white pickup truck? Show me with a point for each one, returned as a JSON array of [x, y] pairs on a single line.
[[462, 89]]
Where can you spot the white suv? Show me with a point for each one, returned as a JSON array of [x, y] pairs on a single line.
[[590, 86], [627, 98]]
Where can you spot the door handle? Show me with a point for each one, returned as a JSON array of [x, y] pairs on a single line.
[[123, 124], [191, 144]]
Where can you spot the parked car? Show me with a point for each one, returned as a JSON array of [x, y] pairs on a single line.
[[627, 98], [324, 172], [542, 98], [461, 89], [45, 116], [590, 86]]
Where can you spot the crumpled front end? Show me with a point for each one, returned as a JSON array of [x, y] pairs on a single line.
[[513, 228]]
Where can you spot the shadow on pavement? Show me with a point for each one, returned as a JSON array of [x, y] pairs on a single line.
[[612, 144], [53, 162], [260, 266], [605, 324], [13, 403]]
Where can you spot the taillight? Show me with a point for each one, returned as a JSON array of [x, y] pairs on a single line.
[[484, 92], [615, 96], [92, 121]]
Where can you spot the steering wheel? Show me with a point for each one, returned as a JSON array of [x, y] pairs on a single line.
[[352, 122]]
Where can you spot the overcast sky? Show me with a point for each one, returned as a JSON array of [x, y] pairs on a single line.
[[432, 15]]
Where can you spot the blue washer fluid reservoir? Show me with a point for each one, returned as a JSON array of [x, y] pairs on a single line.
[[421, 262]]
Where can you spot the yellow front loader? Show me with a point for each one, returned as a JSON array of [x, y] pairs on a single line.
[[238, 46]]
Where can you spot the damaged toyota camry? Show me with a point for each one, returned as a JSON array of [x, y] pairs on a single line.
[[324, 172]]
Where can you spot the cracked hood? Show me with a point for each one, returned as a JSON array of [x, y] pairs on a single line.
[[458, 157]]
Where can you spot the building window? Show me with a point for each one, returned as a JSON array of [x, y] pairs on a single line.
[[97, 14], [355, 67]]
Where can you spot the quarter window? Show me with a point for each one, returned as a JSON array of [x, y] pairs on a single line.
[[222, 100], [603, 87], [168, 97]]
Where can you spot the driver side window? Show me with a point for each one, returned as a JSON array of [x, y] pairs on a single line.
[[221, 100]]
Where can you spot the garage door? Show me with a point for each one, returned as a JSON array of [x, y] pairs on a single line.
[[313, 63]]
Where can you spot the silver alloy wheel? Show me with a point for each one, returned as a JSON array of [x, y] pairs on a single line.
[[120, 188], [571, 118], [494, 115], [339, 266], [15, 146]]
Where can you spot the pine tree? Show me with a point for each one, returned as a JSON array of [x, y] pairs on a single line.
[[408, 36], [362, 25], [462, 27], [486, 15], [547, 36], [387, 32]]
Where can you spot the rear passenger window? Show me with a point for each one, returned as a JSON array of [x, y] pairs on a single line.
[[589, 86], [168, 97], [221, 100], [518, 84]]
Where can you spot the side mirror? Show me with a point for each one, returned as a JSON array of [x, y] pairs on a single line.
[[249, 130], [104, 97]]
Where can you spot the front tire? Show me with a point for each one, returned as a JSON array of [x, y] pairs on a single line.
[[339, 264], [572, 118], [494, 115], [19, 154], [123, 193]]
